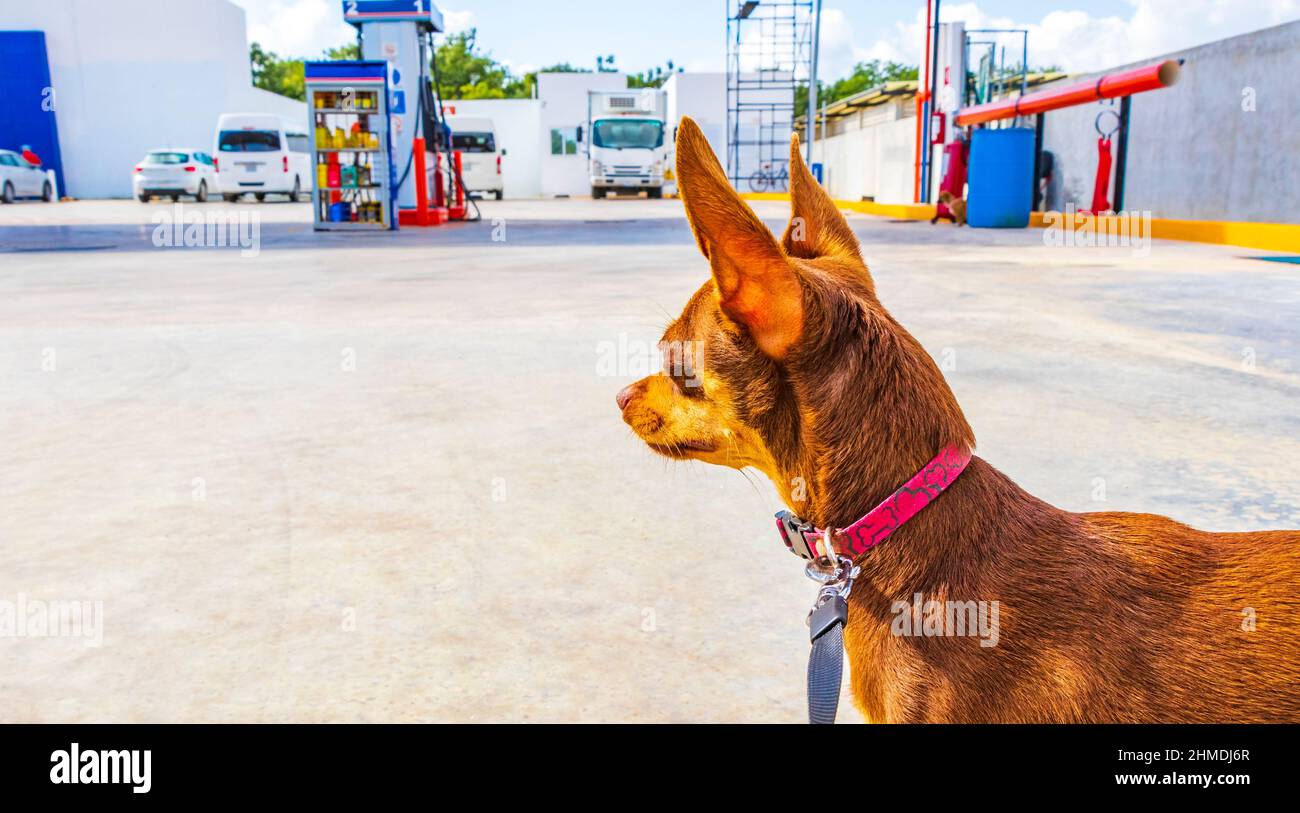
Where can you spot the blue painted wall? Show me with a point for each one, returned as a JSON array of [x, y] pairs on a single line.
[[29, 105]]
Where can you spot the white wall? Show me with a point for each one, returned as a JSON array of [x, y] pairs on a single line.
[[517, 123], [703, 97], [873, 162], [564, 105], [131, 75]]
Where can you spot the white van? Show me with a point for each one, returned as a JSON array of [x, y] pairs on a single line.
[[262, 154], [480, 161]]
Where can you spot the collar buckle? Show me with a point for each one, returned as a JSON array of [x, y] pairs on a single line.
[[799, 535]]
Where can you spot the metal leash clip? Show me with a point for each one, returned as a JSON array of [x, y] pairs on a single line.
[[832, 604], [830, 612], [826, 622]]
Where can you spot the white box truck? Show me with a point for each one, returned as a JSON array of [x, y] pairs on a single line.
[[626, 137]]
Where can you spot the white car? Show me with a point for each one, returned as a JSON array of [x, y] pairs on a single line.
[[19, 179], [263, 154], [480, 161], [171, 173]]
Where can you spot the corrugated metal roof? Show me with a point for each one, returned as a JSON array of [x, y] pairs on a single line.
[[880, 94]]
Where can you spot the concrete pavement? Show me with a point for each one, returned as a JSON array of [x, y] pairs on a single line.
[[382, 477]]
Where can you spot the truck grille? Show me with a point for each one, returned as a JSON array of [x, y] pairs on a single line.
[[626, 170]]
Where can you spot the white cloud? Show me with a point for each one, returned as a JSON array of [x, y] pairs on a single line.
[[519, 68], [307, 27], [836, 54], [457, 21], [301, 28], [1078, 41], [1074, 39]]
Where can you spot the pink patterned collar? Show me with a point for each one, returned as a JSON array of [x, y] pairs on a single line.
[[809, 542]]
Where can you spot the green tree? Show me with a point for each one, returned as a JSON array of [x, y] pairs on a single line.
[[653, 77], [466, 73], [350, 51], [865, 75], [282, 76], [285, 76], [523, 87]]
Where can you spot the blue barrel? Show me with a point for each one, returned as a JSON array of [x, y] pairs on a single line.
[[1001, 178]]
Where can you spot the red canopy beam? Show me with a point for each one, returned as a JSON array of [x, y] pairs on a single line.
[[1125, 83]]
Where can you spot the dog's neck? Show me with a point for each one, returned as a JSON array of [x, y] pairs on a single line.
[[868, 434]]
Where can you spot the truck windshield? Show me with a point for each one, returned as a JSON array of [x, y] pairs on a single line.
[[249, 141], [619, 134]]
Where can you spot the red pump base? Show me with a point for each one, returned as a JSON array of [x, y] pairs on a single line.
[[433, 216], [426, 212]]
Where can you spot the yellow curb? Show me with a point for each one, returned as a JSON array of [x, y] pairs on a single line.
[[1268, 236], [900, 211]]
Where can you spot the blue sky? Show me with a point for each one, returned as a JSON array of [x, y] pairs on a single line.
[[1077, 34]]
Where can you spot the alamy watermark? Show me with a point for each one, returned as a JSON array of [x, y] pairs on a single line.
[[634, 358], [77, 766], [1074, 229], [37, 618], [209, 228], [933, 618]]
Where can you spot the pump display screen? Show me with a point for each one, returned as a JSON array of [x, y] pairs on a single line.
[[249, 141], [621, 134]]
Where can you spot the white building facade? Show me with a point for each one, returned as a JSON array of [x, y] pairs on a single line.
[[544, 156], [518, 124], [132, 75], [871, 153]]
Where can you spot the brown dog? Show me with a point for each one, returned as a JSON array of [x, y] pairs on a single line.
[[803, 374], [956, 209]]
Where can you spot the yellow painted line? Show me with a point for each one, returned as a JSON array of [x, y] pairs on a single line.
[[900, 211], [1268, 236]]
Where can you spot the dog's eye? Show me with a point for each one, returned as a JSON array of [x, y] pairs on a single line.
[[670, 356], [680, 363]]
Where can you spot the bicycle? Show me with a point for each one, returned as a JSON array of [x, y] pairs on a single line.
[[765, 179]]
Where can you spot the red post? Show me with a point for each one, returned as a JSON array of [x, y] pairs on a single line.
[[460, 188], [421, 184], [439, 188]]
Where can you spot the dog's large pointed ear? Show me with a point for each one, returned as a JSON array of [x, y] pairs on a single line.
[[757, 286], [817, 229]]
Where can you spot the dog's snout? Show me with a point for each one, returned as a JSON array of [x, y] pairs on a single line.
[[624, 395]]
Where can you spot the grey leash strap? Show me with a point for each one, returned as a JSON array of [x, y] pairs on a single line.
[[825, 667], [826, 630]]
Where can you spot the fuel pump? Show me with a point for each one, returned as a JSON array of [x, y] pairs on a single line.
[[399, 33]]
